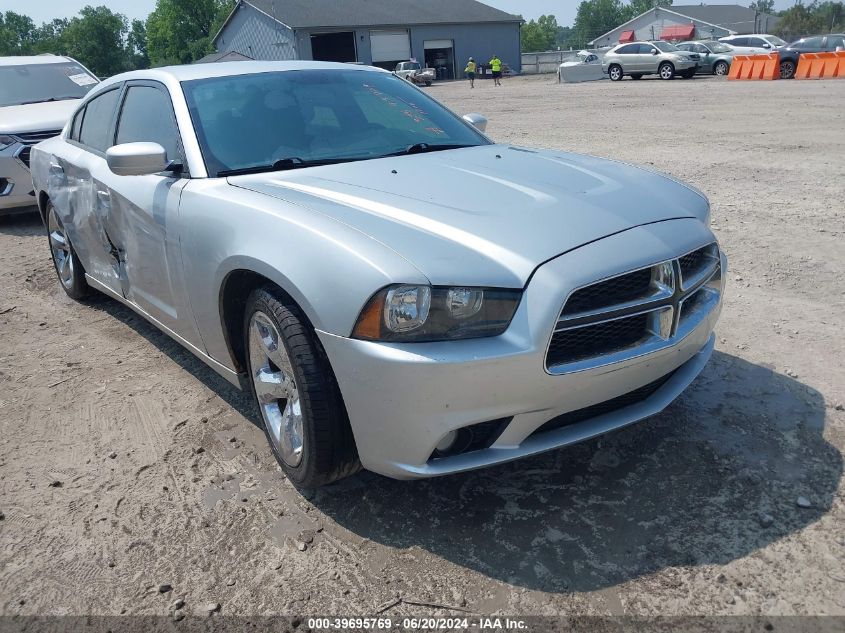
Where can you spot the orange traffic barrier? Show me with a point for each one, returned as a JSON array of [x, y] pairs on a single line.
[[755, 67], [821, 66]]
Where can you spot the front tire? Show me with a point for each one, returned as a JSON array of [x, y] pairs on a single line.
[[721, 69], [666, 71], [787, 69], [69, 269], [615, 72], [294, 387]]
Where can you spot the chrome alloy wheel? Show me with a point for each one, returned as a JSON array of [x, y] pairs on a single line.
[[60, 247], [272, 376], [666, 71]]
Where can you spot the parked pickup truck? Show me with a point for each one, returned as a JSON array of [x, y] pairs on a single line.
[[414, 72]]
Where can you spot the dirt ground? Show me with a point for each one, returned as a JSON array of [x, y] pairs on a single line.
[[126, 465]]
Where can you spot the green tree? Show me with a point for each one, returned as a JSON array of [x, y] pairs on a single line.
[[764, 6], [638, 7], [97, 38], [597, 17], [564, 37], [814, 18], [136, 45], [49, 37], [180, 31], [17, 34], [540, 35]]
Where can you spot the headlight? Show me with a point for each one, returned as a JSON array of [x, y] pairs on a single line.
[[6, 140], [413, 314]]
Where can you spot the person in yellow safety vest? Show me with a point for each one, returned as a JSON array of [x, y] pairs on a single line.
[[470, 71], [496, 67]]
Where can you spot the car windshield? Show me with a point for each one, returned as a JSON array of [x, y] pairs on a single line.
[[718, 47], [774, 41], [666, 47], [289, 119], [412, 66], [37, 83]]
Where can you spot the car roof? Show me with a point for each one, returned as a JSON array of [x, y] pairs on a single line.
[[188, 72], [21, 60]]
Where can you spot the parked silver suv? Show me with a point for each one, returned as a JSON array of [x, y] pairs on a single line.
[[649, 58]]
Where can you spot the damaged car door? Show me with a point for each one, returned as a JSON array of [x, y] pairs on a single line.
[[145, 210]]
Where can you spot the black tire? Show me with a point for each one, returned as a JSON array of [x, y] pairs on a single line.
[[666, 70], [637, 76], [427, 83], [71, 275], [328, 447], [721, 69], [615, 72], [787, 69]]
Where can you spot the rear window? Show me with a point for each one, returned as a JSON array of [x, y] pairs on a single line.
[[37, 83]]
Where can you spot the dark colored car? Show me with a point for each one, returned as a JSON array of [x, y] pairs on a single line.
[[716, 57], [815, 44]]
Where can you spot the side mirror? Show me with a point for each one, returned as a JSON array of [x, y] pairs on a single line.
[[476, 120], [654, 51], [767, 45], [136, 159]]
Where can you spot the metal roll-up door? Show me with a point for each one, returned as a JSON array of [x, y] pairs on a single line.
[[390, 46]]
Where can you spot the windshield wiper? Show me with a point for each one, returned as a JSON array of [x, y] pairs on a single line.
[[48, 100], [283, 164], [422, 148]]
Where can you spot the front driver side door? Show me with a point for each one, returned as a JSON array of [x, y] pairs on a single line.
[[147, 210]]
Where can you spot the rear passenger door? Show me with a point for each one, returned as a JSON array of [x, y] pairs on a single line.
[[80, 194]]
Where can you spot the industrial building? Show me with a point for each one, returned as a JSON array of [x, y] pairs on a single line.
[[701, 21], [441, 34]]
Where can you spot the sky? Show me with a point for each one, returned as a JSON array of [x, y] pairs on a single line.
[[564, 10]]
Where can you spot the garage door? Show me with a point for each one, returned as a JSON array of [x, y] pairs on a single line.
[[390, 46]]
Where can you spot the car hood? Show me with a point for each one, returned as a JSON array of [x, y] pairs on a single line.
[[36, 117], [485, 215]]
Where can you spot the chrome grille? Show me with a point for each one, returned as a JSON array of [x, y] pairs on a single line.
[[636, 312], [31, 138]]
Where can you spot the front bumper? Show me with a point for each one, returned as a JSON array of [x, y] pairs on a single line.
[[15, 180], [402, 399]]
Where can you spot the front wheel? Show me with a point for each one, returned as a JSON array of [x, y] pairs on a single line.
[[68, 267], [787, 69], [428, 83], [721, 69], [294, 387], [667, 71], [615, 73]]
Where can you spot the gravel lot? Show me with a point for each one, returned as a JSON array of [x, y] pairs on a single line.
[[126, 465]]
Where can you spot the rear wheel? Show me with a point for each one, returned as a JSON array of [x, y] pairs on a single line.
[[615, 72], [721, 69], [68, 267], [427, 83], [300, 404], [787, 69], [666, 71]]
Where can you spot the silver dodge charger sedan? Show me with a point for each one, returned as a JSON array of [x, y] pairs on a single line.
[[272, 218]]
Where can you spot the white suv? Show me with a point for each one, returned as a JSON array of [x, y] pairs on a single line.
[[37, 96], [753, 44]]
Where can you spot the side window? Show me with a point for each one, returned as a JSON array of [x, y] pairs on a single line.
[[739, 41], [77, 123], [685, 47], [645, 49], [147, 116], [835, 41], [813, 42], [95, 130], [630, 49]]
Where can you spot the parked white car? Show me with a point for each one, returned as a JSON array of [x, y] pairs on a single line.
[[753, 44], [585, 67], [414, 72], [37, 96]]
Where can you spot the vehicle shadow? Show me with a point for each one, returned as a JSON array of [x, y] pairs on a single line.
[[713, 478]]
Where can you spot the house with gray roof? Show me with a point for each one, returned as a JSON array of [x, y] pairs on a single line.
[[682, 22], [441, 34]]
